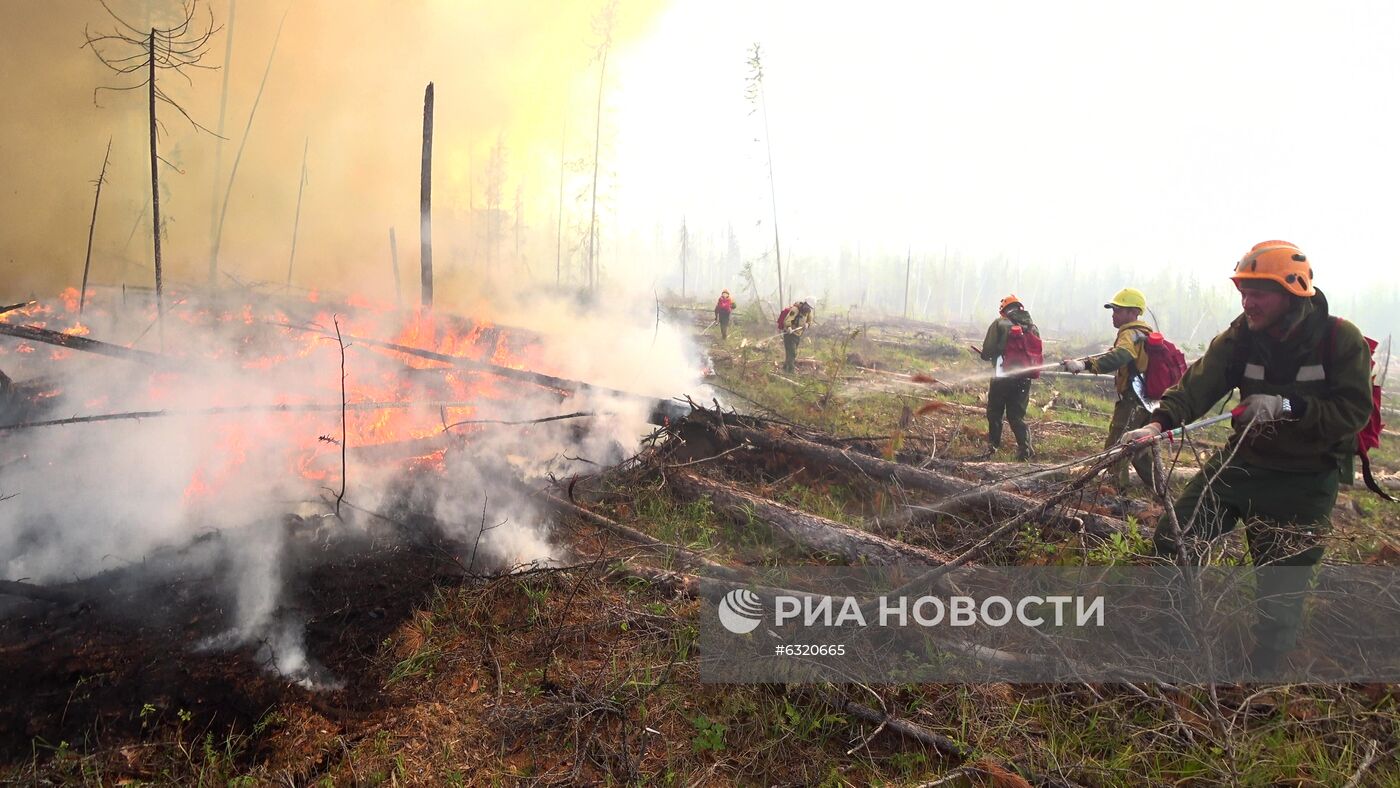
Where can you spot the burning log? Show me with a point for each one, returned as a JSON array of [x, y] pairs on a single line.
[[307, 407], [812, 533], [662, 411], [36, 334], [961, 494], [13, 307]]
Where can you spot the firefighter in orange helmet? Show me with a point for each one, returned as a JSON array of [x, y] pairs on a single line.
[[1304, 378], [1009, 396]]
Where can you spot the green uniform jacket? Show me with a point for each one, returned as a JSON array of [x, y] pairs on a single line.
[[1127, 358], [995, 343], [1329, 390], [794, 320]]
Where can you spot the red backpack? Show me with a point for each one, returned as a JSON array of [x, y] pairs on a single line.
[[1370, 435], [782, 316], [1165, 366], [1023, 349]]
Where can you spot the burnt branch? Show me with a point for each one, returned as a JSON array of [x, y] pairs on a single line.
[[128, 51]]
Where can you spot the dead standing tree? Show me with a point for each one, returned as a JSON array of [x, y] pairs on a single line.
[[296, 220], [753, 91], [129, 51], [603, 28], [425, 202], [238, 157], [92, 228]]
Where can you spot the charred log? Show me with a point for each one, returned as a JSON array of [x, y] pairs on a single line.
[[962, 495]]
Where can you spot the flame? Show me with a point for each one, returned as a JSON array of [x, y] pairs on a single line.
[[258, 339]]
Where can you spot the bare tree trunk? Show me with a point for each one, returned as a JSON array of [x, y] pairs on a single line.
[[559, 219], [908, 264], [425, 201], [238, 157], [685, 239], [155, 190], [296, 219], [219, 148], [87, 262], [773, 195], [394, 262], [593, 210]]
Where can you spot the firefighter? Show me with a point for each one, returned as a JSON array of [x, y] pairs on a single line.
[[1008, 395], [1127, 359], [723, 307], [792, 321], [1304, 379]]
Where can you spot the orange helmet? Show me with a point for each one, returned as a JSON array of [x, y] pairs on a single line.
[[1008, 301], [1277, 261]]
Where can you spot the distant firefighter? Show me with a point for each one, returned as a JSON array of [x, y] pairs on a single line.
[[1012, 342], [723, 308], [792, 321]]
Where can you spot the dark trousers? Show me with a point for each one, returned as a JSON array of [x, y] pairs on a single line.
[[723, 325], [1009, 397], [1285, 516], [1129, 414], [790, 343]]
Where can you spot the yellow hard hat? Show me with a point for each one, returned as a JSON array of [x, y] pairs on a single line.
[[1277, 261], [1128, 297]]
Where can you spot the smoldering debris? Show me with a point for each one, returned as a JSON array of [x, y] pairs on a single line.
[[251, 455]]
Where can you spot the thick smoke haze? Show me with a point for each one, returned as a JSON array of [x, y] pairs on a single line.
[[348, 78], [1113, 144]]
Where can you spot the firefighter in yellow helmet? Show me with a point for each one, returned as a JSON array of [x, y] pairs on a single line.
[[1304, 379], [1127, 359], [1008, 395]]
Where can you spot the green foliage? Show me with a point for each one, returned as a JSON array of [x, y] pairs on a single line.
[[422, 662], [807, 722], [709, 735], [1122, 549]]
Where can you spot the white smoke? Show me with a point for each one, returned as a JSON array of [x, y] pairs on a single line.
[[99, 496]]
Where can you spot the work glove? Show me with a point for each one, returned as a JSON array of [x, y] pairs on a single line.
[[1144, 434], [1073, 365], [1264, 407]]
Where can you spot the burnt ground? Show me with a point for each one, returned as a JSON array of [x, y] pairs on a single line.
[[127, 652]]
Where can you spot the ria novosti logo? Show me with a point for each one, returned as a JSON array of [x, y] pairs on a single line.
[[740, 611]]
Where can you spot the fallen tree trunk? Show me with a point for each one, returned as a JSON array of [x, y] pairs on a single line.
[[682, 556], [36, 334], [810, 532], [39, 593], [960, 494]]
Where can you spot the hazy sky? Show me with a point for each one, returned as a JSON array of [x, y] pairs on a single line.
[[1111, 132], [1153, 134]]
